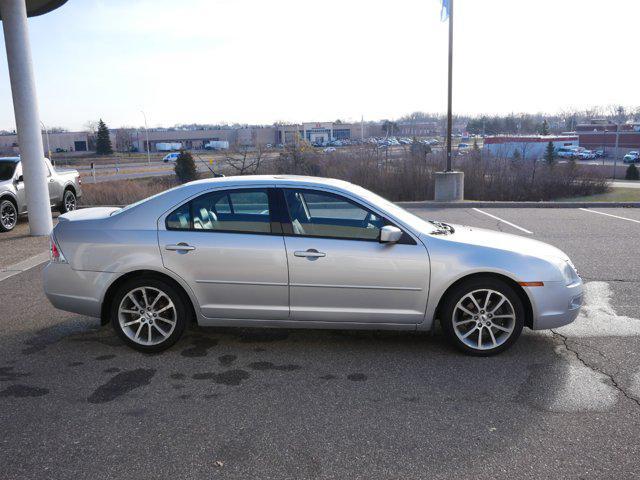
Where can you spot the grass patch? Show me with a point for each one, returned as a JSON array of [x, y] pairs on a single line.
[[615, 195]]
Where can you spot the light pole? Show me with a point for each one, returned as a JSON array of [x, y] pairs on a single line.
[[449, 185], [146, 132], [450, 89], [46, 133], [615, 158]]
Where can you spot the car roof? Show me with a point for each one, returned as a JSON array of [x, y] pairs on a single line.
[[278, 179]]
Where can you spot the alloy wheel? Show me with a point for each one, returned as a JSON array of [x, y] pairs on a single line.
[[147, 316], [8, 215], [69, 201], [484, 319]]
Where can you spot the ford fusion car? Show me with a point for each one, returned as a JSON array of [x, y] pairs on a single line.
[[301, 252]]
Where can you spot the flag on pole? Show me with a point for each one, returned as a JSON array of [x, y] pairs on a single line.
[[444, 13]]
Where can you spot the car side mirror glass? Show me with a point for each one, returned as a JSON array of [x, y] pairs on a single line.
[[390, 234], [20, 179]]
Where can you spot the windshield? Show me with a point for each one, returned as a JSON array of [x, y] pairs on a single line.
[[7, 169], [397, 211]]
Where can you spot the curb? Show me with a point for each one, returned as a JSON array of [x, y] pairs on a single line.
[[480, 204], [11, 270]]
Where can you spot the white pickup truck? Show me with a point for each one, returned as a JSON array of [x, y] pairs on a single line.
[[64, 190]]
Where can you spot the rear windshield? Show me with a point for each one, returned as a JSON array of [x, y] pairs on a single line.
[[7, 169]]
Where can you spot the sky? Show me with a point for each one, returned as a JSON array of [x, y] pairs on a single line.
[[258, 61]]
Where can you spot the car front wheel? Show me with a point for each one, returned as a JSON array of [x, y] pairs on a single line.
[[483, 316], [149, 314]]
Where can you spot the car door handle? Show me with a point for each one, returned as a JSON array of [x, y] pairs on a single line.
[[181, 247], [311, 253]]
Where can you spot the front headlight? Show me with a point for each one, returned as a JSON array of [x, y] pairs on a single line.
[[569, 273]]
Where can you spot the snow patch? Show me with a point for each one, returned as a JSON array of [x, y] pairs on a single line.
[[598, 318]]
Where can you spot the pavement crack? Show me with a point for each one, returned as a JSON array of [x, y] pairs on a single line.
[[620, 280], [614, 383]]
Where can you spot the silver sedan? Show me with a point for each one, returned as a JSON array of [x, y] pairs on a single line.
[[300, 252]]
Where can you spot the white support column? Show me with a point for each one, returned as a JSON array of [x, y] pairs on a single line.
[[25, 105]]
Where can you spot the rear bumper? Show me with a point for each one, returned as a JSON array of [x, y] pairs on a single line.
[[555, 304], [75, 291]]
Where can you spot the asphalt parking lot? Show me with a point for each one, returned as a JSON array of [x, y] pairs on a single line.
[[249, 403]]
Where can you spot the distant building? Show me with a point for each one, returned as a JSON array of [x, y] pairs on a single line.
[[251, 136], [58, 142], [598, 135], [529, 147], [321, 132], [419, 129]]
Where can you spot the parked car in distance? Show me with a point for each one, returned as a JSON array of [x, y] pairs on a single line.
[[288, 251], [329, 149], [64, 190], [585, 155], [632, 157], [600, 153], [567, 152], [171, 157]]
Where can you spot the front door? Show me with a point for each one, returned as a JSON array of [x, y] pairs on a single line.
[[20, 192], [55, 189], [225, 246], [340, 272]]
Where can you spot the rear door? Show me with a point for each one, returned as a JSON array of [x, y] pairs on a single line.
[[226, 245], [340, 272]]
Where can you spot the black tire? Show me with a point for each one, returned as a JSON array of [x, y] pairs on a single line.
[[182, 315], [8, 215], [69, 201], [485, 324]]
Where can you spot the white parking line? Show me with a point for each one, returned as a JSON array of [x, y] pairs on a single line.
[[23, 266], [503, 221], [609, 215]]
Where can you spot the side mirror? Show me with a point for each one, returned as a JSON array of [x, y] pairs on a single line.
[[19, 179], [390, 234]]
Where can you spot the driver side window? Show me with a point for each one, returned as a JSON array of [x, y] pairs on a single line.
[[320, 214]]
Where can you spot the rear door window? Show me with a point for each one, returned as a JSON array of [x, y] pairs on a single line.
[[241, 211]]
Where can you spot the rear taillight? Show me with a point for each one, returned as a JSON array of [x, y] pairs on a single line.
[[55, 253]]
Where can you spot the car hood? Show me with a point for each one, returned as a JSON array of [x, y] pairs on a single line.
[[503, 241]]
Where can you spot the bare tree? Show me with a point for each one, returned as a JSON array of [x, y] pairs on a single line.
[[91, 126], [244, 161], [123, 139]]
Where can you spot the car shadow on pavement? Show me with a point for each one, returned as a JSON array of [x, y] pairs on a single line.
[[530, 372], [375, 394]]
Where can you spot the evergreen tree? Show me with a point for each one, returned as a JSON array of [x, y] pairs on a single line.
[[544, 128], [632, 173], [103, 141], [185, 167], [550, 153], [476, 147]]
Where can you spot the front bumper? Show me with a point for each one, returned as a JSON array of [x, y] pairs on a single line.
[[75, 290], [555, 304]]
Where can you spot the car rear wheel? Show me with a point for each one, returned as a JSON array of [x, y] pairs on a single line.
[[149, 314], [8, 215], [69, 201], [483, 316]]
